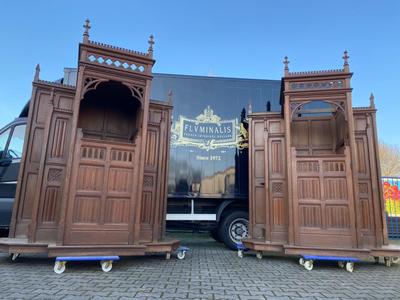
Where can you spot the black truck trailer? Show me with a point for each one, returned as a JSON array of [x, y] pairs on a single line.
[[208, 167]]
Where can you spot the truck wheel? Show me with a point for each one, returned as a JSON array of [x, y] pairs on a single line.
[[215, 235], [233, 228]]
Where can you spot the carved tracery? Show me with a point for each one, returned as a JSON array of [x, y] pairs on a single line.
[[91, 83], [297, 106]]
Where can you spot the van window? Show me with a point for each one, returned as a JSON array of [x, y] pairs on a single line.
[[3, 141], [17, 142]]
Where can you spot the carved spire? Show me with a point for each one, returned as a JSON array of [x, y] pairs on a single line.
[[37, 73], [170, 97], [286, 63], [86, 32], [250, 107], [268, 105], [372, 101], [346, 61], [151, 43]]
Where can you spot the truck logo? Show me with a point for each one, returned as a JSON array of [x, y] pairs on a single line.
[[207, 131]]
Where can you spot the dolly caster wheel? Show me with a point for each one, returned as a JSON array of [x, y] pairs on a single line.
[[396, 260], [350, 267], [388, 262], [168, 256], [259, 255], [106, 265], [376, 259], [181, 254], [308, 265], [341, 264], [59, 267], [14, 256], [240, 253], [301, 262]]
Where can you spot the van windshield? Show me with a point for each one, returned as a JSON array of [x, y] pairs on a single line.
[[3, 141], [16, 142]]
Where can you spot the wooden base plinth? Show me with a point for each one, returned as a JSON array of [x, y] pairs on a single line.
[[261, 245], [15, 245]]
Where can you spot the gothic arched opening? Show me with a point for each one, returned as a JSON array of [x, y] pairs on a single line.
[[318, 127], [110, 112]]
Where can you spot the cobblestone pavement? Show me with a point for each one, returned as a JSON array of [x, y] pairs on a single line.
[[209, 272]]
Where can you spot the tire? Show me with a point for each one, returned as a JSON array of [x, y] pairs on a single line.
[[214, 234], [233, 228]]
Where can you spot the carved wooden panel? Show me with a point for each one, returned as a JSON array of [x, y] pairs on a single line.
[[362, 156], [153, 202], [268, 190], [277, 157], [369, 212], [322, 201], [310, 216], [313, 135], [147, 210], [86, 210], [257, 176], [59, 140], [117, 211], [51, 204], [34, 146], [101, 194], [151, 149], [50, 196]]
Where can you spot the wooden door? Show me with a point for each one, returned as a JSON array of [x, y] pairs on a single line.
[[323, 201], [101, 194]]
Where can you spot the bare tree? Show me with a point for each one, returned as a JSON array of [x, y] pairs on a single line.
[[390, 159]]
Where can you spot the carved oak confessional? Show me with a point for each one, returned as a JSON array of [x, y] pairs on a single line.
[[314, 172], [93, 173]]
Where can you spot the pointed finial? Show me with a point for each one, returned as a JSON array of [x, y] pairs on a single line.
[[250, 108], [151, 43], [37, 72], [86, 32], [286, 63], [268, 105], [346, 60], [372, 101], [170, 97]]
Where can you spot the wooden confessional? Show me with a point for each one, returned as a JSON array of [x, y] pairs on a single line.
[[314, 172], [93, 173]]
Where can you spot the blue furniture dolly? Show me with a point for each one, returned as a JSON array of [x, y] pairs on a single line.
[[105, 262], [307, 261]]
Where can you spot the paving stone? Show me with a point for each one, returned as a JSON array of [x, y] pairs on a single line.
[[210, 271]]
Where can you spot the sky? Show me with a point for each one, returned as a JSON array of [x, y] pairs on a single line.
[[246, 39]]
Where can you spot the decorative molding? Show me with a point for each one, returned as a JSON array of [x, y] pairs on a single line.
[[91, 83], [317, 85], [297, 105], [118, 48], [313, 73], [117, 63], [54, 175], [277, 187], [148, 181]]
